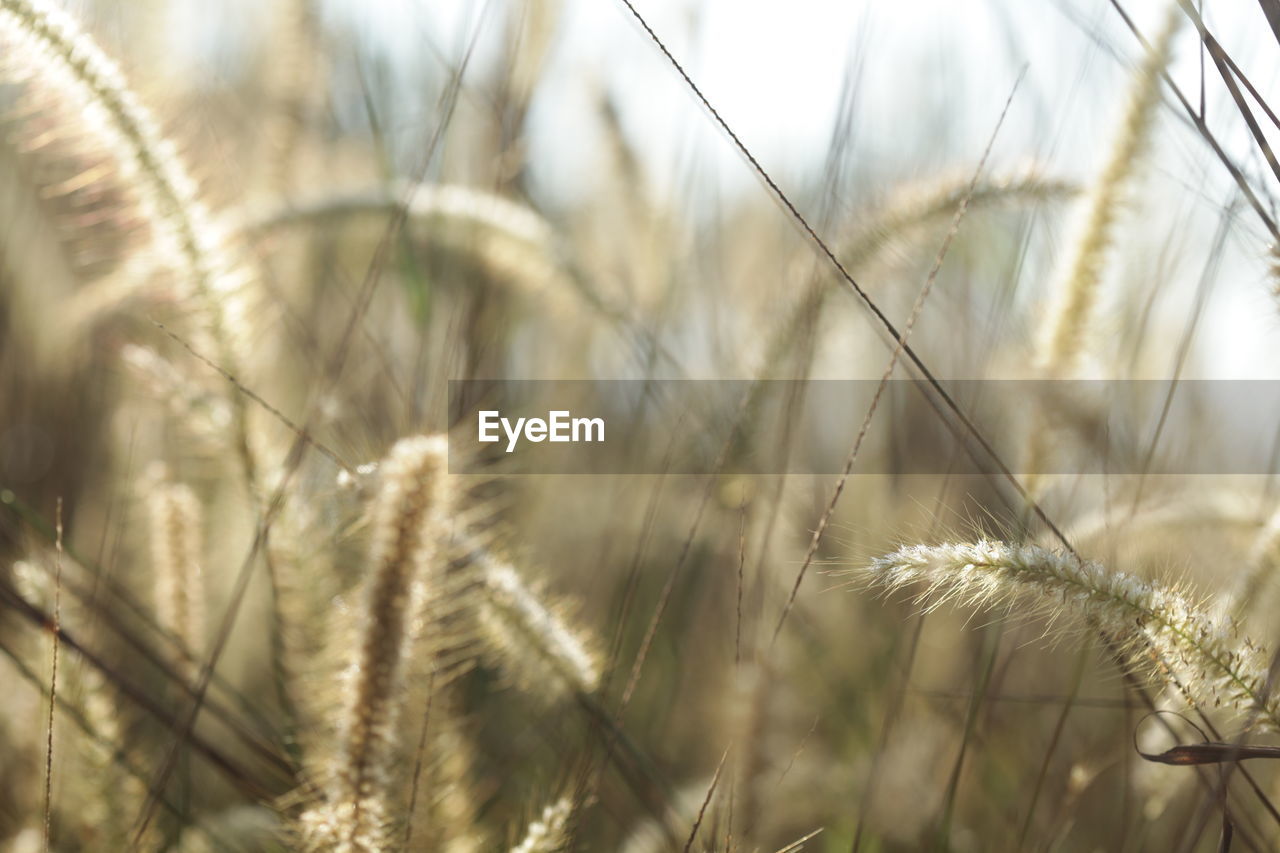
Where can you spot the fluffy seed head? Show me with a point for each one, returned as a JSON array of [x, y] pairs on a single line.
[[409, 529], [1154, 627], [66, 58], [533, 643], [1076, 294], [176, 521], [548, 834]]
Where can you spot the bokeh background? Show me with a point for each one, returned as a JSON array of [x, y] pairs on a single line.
[[579, 215]]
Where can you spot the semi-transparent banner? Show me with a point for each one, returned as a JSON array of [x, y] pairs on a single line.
[[1091, 427]]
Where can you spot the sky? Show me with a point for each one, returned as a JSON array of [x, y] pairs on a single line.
[[775, 71], [932, 76]]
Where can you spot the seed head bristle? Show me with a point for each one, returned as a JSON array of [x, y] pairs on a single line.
[[538, 649], [409, 529], [1156, 628], [176, 546], [1063, 335], [549, 833]]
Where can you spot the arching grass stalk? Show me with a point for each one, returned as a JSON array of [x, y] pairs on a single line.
[[1153, 627], [67, 61]]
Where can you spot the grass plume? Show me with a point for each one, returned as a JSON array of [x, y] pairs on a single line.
[[549, 833], [1158, 629], [1072, 314], [533, 642], [176, 521], [409, 529]]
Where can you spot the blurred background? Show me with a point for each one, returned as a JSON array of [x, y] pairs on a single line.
[[833, 98], [526, 189]]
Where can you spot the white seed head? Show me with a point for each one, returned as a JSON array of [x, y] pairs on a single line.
[[1155, 627]]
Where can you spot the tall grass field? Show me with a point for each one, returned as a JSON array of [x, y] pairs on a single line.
[[639, 425]]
